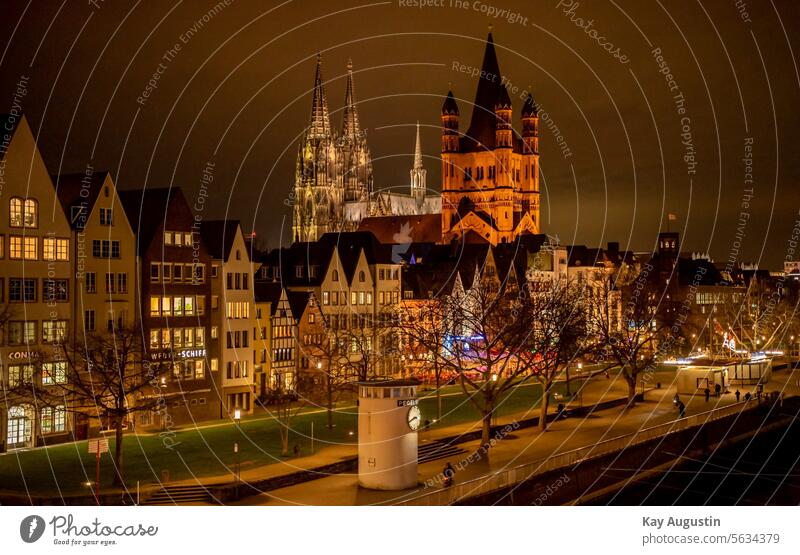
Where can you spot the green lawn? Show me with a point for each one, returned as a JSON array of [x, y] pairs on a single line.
[[208, 451]]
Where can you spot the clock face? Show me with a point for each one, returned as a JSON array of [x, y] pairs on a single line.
[[414, 417]]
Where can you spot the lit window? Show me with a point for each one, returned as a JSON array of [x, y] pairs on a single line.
[[15, 212], [155, 306], [31, 215]]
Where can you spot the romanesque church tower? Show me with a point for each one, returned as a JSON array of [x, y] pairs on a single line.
[[490, 177]]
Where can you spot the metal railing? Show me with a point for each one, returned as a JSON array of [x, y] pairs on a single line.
[[515, 475]]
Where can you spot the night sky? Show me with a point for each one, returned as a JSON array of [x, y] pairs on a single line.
[[238, 93]]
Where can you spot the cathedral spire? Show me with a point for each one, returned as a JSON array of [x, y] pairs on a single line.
[[320, 120], [418, 152], [350, 125], [418, 174]]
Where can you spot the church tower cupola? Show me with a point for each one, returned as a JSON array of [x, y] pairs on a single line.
[[450, 117], [530, 125]]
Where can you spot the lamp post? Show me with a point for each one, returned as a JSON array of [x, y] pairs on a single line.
[[237, 419], [236, 467]]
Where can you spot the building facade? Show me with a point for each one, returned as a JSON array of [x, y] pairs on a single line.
[[36, 280], [232, 312], [490, 176], [174, 306]]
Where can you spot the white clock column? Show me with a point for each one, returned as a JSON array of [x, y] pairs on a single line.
[[388, 420]]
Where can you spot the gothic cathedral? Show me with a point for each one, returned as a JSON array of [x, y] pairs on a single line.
[[333, 178], [490, 176]]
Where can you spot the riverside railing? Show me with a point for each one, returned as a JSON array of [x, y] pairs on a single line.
[[515, 475]]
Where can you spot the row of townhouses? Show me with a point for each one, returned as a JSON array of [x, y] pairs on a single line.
[[81, 258]]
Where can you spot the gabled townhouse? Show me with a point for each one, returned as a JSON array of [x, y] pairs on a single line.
[[355, 280], [174, 266], [276, 348], [36, 280], [104, 250], [232, 312]]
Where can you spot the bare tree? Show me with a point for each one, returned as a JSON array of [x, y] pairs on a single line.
[[328, 355], [108, 379], [626, 322], [367, 344], [284, 408], [759, 317], [485, 330], [424, 332], [557, 336]]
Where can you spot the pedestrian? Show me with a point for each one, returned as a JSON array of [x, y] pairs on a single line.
[[449, 474], [606, 373], [682, 409], [738, 393], [717, 389], [747, 397], [296, 450], [676, 400], [707, 394]]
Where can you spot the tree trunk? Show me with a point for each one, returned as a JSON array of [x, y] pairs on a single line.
[[543, 406], [631, 380], [330, 401], [438, 394], [118, 481], [486, 430], [284, 439]]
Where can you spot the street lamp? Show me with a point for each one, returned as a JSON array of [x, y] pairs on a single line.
[[236, 466], [319, 366]]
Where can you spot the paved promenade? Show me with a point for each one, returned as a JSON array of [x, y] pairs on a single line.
[[520, 447]]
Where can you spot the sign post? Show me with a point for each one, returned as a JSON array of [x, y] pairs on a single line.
[[98, 447]]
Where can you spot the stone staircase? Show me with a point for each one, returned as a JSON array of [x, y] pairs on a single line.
[[436, 450], [181, 495]]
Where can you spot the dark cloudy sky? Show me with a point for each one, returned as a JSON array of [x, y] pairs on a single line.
[[238, 93]]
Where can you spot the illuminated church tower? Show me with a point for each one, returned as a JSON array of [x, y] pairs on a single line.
[[318, 188], [418, 175], [357, 163], [333, 180], [490, 177]]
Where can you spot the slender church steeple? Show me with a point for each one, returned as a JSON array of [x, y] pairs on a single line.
[[356, 160], [418, 173], [320, 119], [350, 125]]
